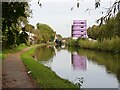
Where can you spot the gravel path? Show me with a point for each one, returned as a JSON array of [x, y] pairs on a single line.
[[14, 73]]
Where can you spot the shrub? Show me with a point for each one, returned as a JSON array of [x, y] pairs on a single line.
[[112, 45], [71, 42]]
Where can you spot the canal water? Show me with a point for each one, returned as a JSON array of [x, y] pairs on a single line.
[[87, 68]]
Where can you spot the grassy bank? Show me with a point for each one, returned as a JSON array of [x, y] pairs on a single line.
[[110, 45], [4, 52], [44, 76], [20, 47]]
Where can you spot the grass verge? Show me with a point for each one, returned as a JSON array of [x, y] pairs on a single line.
[[44, 76], [4, 52], [13, 50]]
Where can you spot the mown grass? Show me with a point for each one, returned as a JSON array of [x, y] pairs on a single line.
[[44, 76]]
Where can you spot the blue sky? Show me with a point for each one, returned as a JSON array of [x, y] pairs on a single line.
[[59, 16]]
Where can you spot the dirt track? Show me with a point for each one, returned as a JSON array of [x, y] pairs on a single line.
[[14, 73]]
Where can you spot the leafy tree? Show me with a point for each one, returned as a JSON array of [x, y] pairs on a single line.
[[29, 28], [39, 37], [23, 37], [59, 37], [111, 12], [14, 15], [46, 33], [117, 25], [94, 32], [108, 30]]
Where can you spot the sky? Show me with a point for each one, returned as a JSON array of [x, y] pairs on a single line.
[[58, 15]]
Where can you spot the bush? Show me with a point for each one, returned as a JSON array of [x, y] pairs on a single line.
[[71, 42], [112, 45]]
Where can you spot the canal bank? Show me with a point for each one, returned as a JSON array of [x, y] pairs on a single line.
[[88, 68], [44, 76], [108, 45]]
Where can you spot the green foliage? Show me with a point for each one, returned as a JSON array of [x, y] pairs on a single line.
[[71, 42], [112, 45], [22, 38], [59, 37], [4, 52], [111, 12], [14, 14], [44, 33], [29, 28], [108, 36], [108, 30], [87, 44], [117, 25], [15, 49], [45, 77]]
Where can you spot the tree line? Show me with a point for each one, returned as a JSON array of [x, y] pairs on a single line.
[[15, 19], [105, 37], [108, 30]]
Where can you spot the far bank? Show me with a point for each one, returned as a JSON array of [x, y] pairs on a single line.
[[108, 45]]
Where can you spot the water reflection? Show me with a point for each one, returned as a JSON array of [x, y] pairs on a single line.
[[78, 62], [85, 67], [111, 64], [44, 53]]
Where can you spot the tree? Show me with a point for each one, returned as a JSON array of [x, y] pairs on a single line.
[[111, 12], [23, 37], [117, 25], [29, 28], [108, 30], [46, 33], [39, 37], [14, 15]]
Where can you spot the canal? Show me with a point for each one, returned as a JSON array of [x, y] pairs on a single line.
[[88, 68]]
